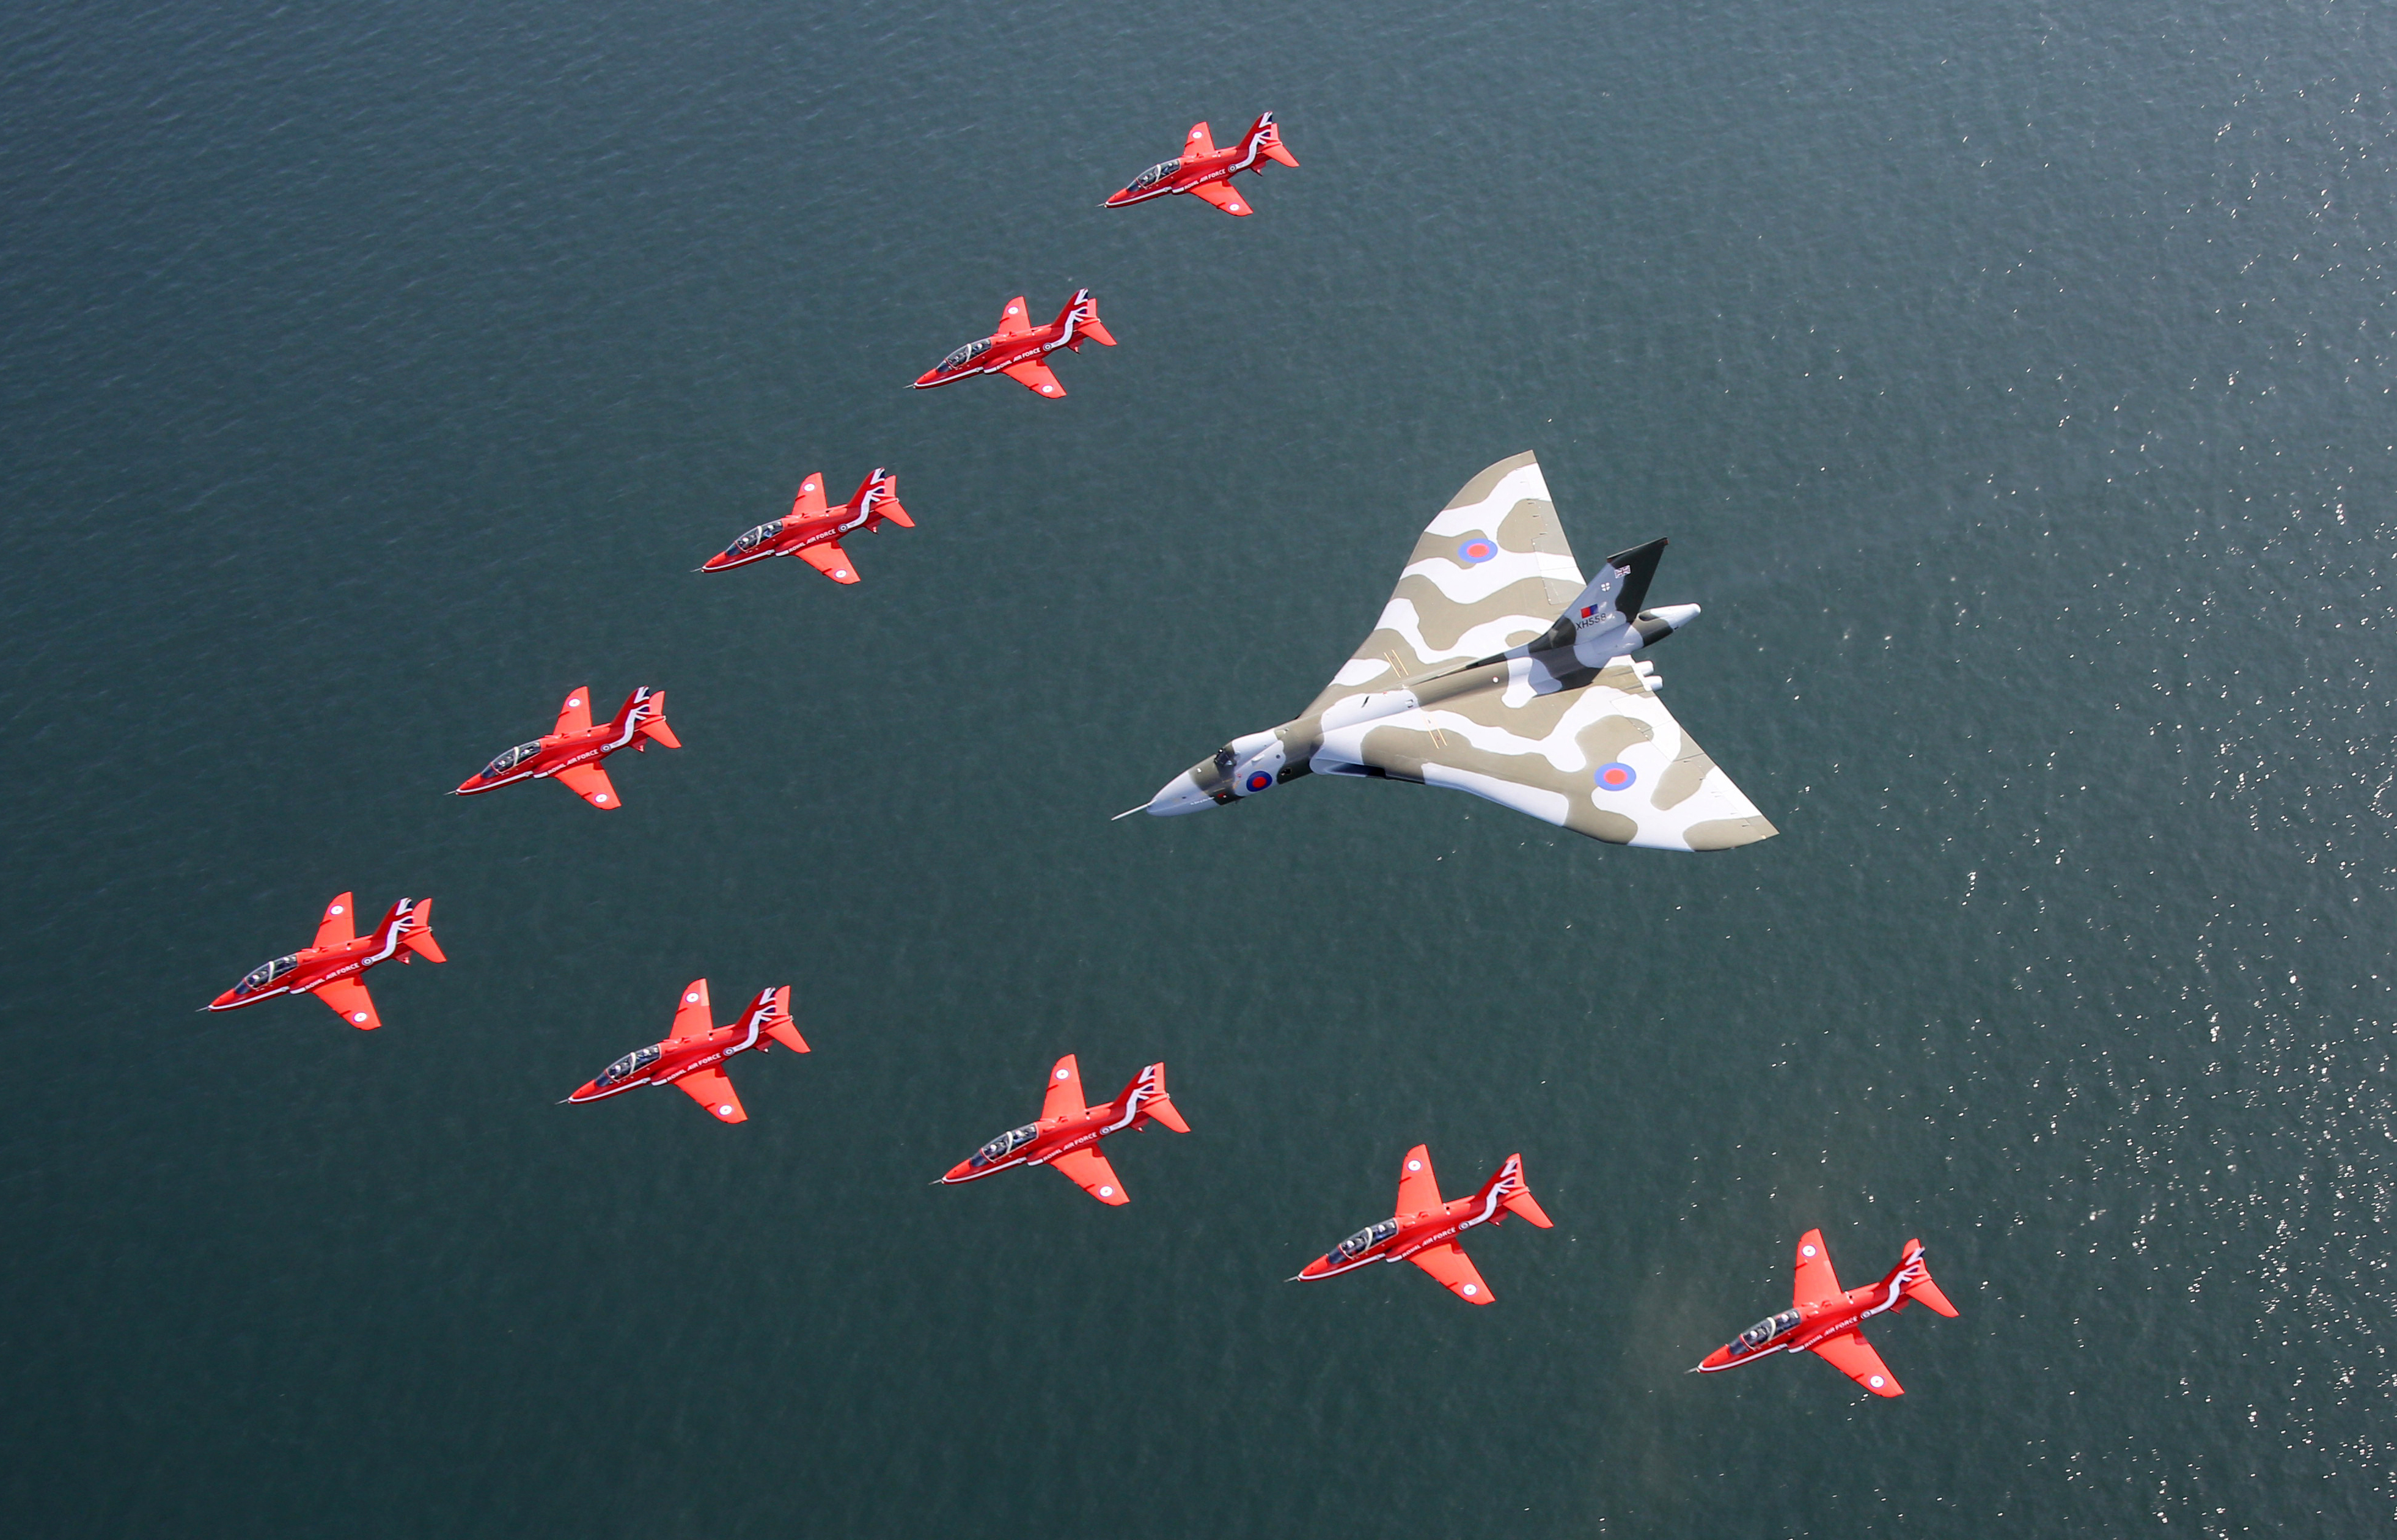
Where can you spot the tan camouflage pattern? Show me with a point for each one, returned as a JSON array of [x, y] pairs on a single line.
[[1408, 708]]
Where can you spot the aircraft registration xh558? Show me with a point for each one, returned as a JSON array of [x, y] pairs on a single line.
[[812, 531], [1018, 349], [331, 966], [1496, 669], [1424, 1230], [1066, 1136], [691, 1058], [1206, 172], [1823, 1318], [570, 753]]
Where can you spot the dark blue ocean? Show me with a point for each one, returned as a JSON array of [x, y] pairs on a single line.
[[2013, 385]]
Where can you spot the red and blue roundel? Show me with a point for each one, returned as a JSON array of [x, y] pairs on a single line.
[[1258, 781], [1617, 776], [1474, 552]]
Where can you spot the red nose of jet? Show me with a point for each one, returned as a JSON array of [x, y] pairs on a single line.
[[962, 1172], [1117, 200], [1719, 1359], [227, 1001], [587, 1092], [928, 379], [1319, 1267], [717, 562]]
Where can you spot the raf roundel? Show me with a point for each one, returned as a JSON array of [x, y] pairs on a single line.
[[1474, 552], [1259, 780], [1617, 776]]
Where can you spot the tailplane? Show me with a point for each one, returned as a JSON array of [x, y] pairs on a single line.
[[409, 926], [1506, 1185], [1083, 311], [1146, 1097], [1264, 136], [880, 498], [645, 711], [1913, 1277]]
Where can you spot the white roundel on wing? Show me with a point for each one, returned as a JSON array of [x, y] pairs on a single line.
[[1107, 1192], [725, 1111], [1061, 1074], [1810, 1251], [1414, 1165], [334, 910], [692, 998], [1878, 1382], [357, 1015], [1472, 1289]]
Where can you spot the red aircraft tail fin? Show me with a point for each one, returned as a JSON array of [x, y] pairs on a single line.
[[885, 487], [1145, 1096], [1266, 135], [1913, 1277], [411, 920], [1506, 1183], [1083, 311], [772, 1010], [646, 709]]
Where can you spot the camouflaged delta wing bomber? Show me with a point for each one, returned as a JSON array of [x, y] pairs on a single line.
[[1474, 680]]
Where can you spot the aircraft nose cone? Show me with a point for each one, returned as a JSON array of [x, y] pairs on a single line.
[[223, 1001], [1180, 794], [1316, 1269], [958, 1172], [929, 377]]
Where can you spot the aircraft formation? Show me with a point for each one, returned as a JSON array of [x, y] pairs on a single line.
[[1495, 668]]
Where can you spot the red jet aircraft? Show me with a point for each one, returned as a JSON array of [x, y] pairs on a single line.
[[569, 755], [812, 533], [1423, 1231], [1066, 1137], [1018, 348], [331, 967], [688, 1057], [1206, 172], [1823, 1318]]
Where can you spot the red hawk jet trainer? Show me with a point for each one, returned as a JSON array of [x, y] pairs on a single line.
[[1206, 172], [1424, 1230], [1823, 1318], [690, 1058], [812, 532], [331, 967], [1066, 1137], [571, 753], [1018, 348]]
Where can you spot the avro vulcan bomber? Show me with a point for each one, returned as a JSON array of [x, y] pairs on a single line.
[[1497, 670]]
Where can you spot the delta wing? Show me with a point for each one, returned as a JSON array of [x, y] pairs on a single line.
[[1489, 574]]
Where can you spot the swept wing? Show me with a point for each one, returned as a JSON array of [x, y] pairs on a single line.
[[1448, 1263], [1088, 1169], [589, 783], [1220, 193], [339, 927], [831, 560], [575, 715], [711, 1090], [1854, 1356], [1065, 1096], [350, 1001], [1034, 376]]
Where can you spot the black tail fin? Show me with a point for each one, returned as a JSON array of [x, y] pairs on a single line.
[[1637, 565]]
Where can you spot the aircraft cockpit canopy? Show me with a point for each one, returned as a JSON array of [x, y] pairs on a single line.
[[965, 356], [755, 538], [511, 759], [1367, 1238], [998, 1148], [629, 1066], [1763, 1332], [1156, 174], [265, 974]]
